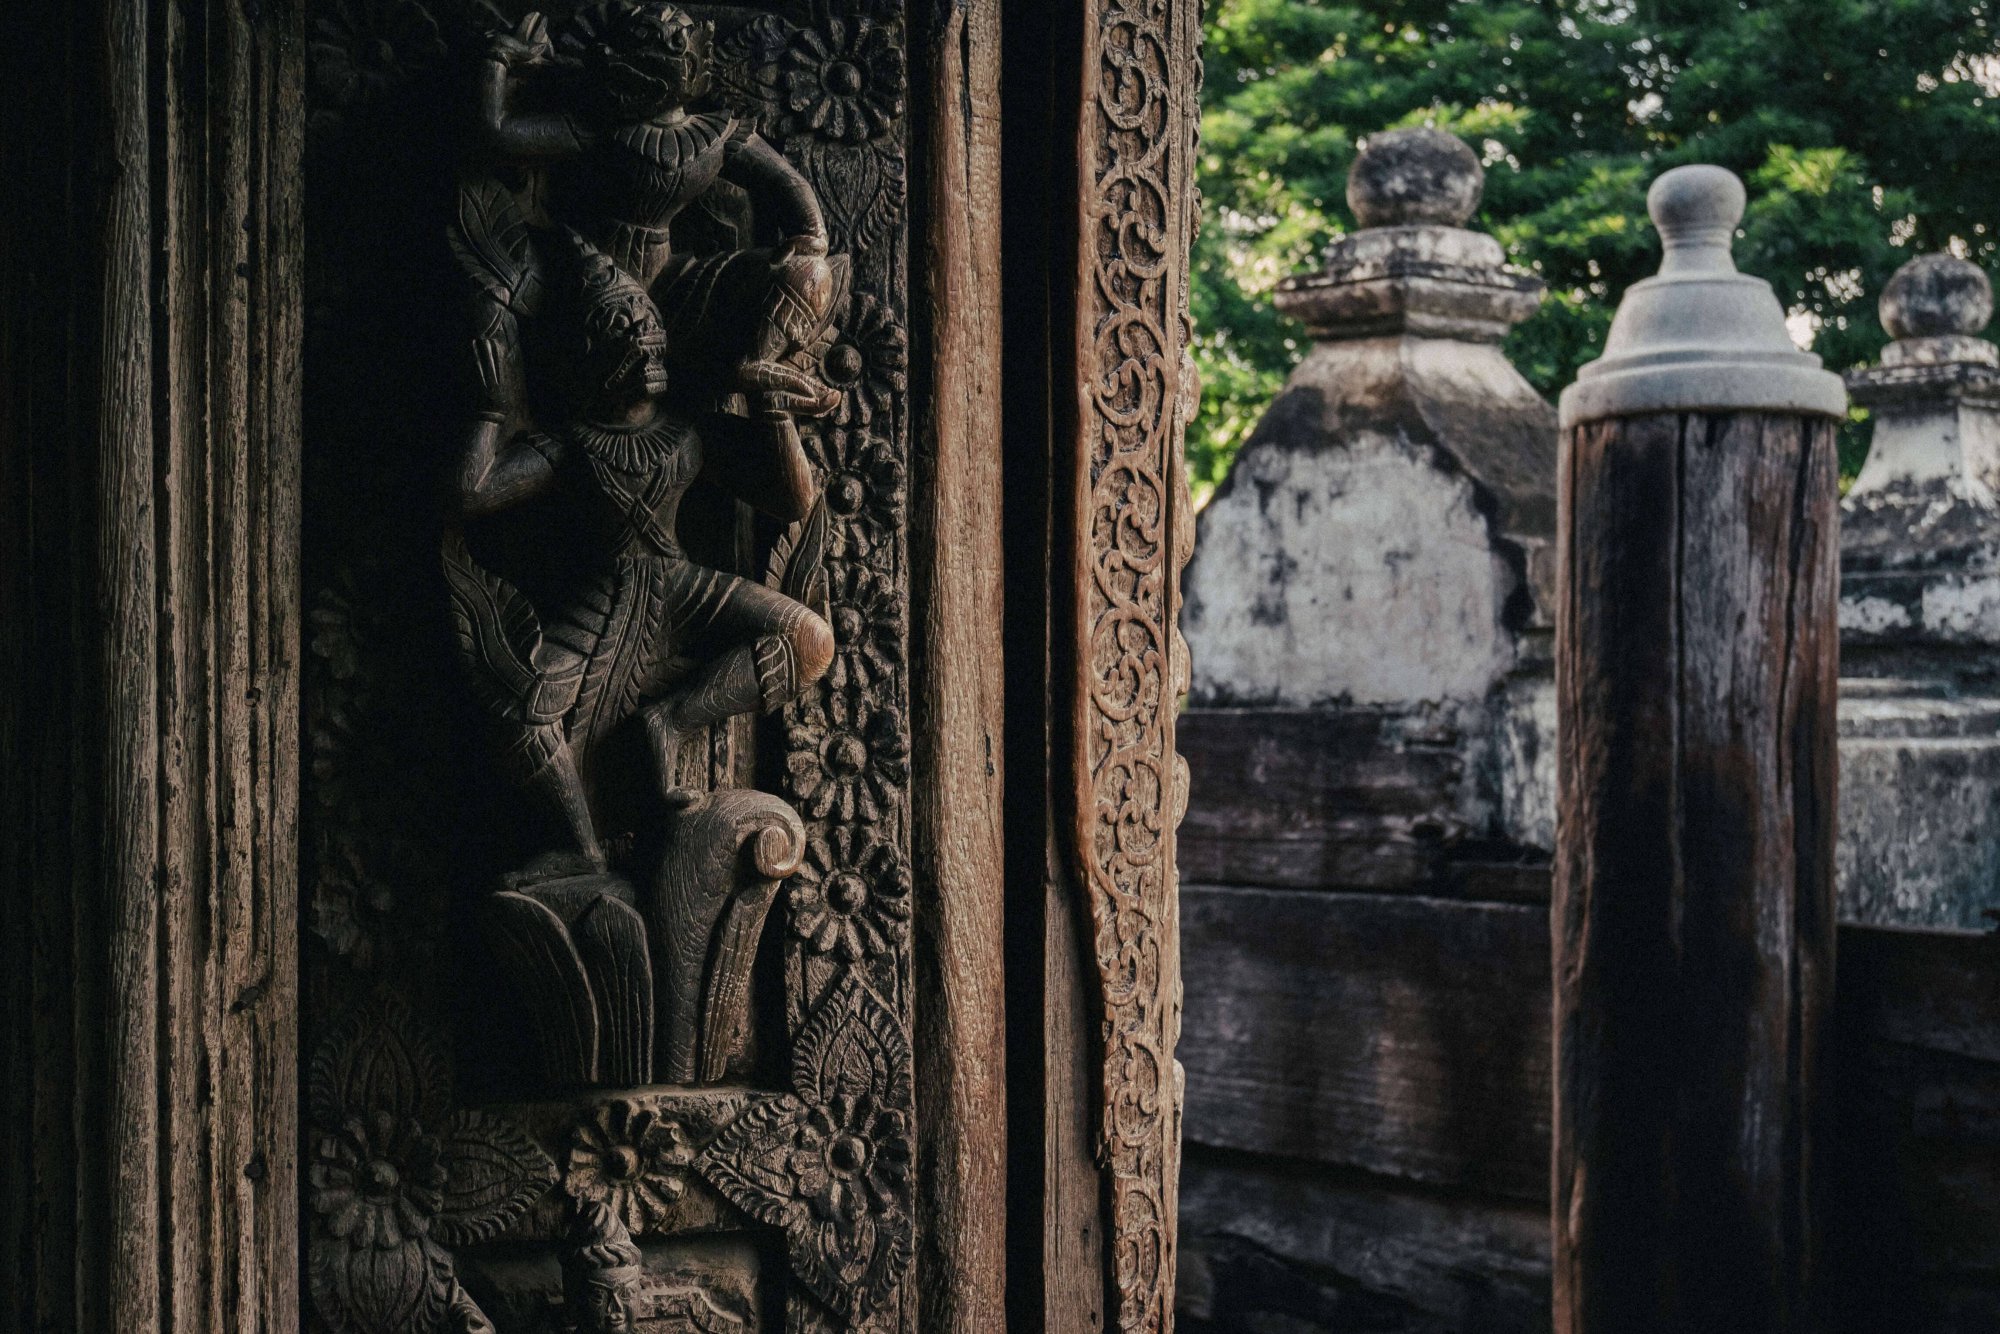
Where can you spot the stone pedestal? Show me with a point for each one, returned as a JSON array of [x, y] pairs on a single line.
[[1920, 614], [1371, 752], [1382, 544]]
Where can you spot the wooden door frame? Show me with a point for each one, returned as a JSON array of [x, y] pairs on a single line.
[[151, 301]]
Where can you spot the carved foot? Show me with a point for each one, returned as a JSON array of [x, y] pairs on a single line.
[[666, 741]]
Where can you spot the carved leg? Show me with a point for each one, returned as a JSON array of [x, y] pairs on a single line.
[[720, 689], [791, 649], [556, 781]]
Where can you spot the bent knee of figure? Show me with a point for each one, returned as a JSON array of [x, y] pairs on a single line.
[[812, 646]]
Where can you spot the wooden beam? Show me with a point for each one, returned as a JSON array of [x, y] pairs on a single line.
[[1404, 1036], [149, 339], [957, 826], [1407, 1038]]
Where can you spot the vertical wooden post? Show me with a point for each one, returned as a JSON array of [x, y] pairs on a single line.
[[149, 501], [957, 548], [1693, 923]]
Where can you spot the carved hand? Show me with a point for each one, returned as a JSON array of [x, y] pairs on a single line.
[[528, 44]]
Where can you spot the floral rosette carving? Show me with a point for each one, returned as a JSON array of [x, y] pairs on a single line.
[[828, 1164], [851, 899], [840, 86], [849, 758], [866, 612], [868, 363], [842, 79], [359, 51], [632, 1160], [863, 482], [395, 1176]]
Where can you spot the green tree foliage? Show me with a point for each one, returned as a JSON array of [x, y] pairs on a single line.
[[1866, 131]]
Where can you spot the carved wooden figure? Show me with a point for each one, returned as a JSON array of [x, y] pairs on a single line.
[[672, 509]]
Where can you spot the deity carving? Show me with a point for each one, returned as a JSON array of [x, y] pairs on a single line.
[[612, 370], [672, 501]]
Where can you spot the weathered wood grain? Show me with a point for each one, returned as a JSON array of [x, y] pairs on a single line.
[[1317, 798], [1404, 1036], [1696, 661], [149, 334], [1282, 1244], [958, 830], [1355, 1033]]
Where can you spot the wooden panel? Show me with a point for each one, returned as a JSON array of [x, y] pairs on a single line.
[[1285, 1245], [1328, 798], [1406, 1036], [1916, 1167], [149, 331]]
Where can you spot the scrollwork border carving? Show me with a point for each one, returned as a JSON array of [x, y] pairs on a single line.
[[1133, 517]]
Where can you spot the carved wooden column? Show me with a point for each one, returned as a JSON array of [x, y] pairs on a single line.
[[149, 499], [1694, 911], [1102, 113]]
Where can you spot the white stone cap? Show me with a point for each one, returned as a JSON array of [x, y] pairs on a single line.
[[1413, 266], [1700, 337]]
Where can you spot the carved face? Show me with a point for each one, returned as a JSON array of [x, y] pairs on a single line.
[[610, 1302], [625, 348], [654, 58]]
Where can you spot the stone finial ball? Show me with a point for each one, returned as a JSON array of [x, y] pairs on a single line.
[[1935, 295], [1696, 205], [1406, 177]]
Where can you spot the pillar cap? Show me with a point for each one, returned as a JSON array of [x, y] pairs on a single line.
[[1412, 267], [1936, 296], [1700, 336], [1405, 178]]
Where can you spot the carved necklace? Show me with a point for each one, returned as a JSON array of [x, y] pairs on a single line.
[[637, 450], [680, 144]]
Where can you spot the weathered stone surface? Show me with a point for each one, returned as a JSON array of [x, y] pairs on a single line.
[[1920, 614], [1363, 574], [1919, 805], [1418, 175], [1384, 538]]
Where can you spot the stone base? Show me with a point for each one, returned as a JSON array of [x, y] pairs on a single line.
[[1919, 805]]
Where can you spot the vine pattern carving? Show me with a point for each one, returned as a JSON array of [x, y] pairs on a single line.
[[1137, 392]]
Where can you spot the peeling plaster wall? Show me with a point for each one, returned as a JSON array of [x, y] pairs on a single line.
[[1357, 573]]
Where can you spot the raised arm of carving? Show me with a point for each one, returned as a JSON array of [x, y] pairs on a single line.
[[777, 188], [539, 136], [501, 470]]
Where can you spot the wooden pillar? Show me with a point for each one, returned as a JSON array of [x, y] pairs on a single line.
[[149, 331], [1693, 920]]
